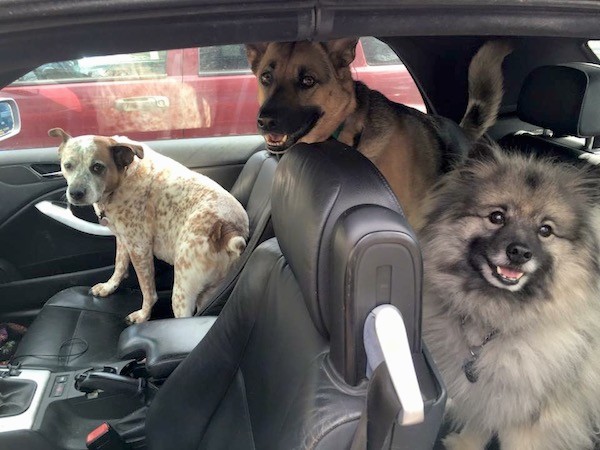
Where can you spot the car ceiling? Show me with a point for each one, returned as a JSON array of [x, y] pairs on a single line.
[[436, 39]]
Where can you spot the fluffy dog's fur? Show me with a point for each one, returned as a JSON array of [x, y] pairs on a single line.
[[155, 206], [538, 375], [307, 94]]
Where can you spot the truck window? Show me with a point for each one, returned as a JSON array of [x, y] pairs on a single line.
[[124, 66], [222, 59]]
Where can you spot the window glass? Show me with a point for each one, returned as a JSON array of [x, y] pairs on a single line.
[[124, 66], [595, 47], [378, 53], [378, 66], [169, 94], [223, 59]]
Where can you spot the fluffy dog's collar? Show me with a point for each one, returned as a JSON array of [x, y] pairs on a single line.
[[469, 363]]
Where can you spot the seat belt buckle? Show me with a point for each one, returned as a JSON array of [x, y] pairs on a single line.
[[104, 437]]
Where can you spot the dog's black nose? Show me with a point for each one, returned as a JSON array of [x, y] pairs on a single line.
[[518, 253], [77, 194], [266, 123]]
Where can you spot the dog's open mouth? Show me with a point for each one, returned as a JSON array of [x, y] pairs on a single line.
[[276, 140], [507, 275]]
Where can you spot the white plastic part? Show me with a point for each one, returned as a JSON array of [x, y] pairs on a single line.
[[24, 421], [66, 217], [386, 340]]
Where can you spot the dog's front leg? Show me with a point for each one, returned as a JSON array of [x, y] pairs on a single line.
[[121, 267], [143, 263]]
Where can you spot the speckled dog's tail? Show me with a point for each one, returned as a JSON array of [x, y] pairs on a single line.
[[227, 236], [236, 245], [485, 88]]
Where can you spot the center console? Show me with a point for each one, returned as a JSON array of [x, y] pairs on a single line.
[[62, 408]]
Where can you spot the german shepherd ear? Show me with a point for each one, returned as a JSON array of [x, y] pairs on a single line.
[[59, 132], [341, 51], [255, 52], [123, 154]]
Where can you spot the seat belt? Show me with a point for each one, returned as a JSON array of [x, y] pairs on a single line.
[[394, 400]]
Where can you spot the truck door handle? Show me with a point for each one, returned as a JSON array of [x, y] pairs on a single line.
[[66, 217], [146, 103]]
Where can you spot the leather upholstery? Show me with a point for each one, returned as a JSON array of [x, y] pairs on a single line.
[[563, 98], [263, 377], [73, 321], [304, 214], [164, 343]]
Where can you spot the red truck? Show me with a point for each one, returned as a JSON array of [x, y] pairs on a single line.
[[171, 94]]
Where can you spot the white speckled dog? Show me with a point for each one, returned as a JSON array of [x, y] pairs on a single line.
[[155, 206], [512, 301]]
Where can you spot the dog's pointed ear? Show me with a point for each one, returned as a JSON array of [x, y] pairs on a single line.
[[123, 154], [341, 51], [255, 52], [59, 132]]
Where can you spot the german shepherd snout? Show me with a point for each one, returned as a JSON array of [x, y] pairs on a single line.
[[307, 94]]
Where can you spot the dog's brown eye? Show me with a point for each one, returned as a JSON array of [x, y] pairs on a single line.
[[97, 168], [67, 166], [497, 218], [308, 81], [545, 230], [266, 78]]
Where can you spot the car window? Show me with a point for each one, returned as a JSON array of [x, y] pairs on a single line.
[[378, 53], [169, 94], [595, 47]]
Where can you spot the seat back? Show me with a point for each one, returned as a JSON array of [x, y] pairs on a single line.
[[565, 101], [253, 190], [283, 367]]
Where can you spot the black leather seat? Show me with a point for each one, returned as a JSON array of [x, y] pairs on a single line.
[[568, 111], [75, 330], [284, 366]]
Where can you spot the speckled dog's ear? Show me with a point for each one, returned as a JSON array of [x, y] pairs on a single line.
[[123, 154], [59, 132]]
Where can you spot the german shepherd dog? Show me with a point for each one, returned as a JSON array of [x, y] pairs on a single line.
[[306, 93]]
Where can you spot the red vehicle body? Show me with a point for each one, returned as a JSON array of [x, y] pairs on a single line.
[[182, 100]]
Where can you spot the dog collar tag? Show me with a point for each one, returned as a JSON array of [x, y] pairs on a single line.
[[102, 219], [470, 371]]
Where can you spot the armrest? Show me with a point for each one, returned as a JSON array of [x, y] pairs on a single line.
[[164, 343]]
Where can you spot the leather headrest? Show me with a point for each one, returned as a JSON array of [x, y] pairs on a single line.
[[314, 185], [563, 98]]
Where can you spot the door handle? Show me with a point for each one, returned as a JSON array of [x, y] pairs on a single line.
[[146, 103], [66, 217]]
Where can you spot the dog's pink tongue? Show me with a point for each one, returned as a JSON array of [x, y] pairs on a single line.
[[275, 137], [509, 273]]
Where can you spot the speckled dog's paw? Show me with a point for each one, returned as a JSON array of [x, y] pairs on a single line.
[[103, 289], [138, 316]]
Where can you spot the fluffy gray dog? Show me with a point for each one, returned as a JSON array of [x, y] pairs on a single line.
[[512, 301]]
